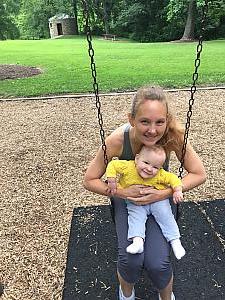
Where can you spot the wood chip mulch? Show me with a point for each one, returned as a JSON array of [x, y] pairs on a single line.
[[17, 71], [45, 147]]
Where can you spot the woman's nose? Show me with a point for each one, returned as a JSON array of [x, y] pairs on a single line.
[[152, 129]]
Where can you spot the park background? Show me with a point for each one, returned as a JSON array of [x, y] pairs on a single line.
[[49, 129]]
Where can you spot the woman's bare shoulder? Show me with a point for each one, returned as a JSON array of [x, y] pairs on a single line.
[[115, 140]]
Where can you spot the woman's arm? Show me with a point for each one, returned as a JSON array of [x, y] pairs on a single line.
[[94, 172], [97, 167], [196, 174], [148, 195]]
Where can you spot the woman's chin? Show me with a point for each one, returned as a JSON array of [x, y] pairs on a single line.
[[148, 142]]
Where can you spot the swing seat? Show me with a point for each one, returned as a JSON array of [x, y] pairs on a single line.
[[91, 257]]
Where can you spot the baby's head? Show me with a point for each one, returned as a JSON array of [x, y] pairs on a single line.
[[150, 160]]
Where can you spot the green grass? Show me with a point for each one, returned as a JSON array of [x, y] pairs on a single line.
[[121, 65]]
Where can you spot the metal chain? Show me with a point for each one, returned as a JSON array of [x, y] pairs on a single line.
[[193, 87], [94, 77], [96, 90]]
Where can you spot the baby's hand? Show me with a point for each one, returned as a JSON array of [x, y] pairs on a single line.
[[178, 197], [112, 184]]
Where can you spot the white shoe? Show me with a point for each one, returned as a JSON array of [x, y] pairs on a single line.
[[172, 297]]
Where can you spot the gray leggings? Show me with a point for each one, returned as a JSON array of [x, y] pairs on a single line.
[[156, 256]]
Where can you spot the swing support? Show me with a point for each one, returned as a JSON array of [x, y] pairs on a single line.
[[193, 88]]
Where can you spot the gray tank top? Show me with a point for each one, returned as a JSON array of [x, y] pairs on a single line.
[[128, 154]]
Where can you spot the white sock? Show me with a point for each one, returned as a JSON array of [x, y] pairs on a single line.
[[172, 297], [178, 249], [137, 246], [122, 297]]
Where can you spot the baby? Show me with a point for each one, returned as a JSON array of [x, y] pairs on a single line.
[[147, 169]]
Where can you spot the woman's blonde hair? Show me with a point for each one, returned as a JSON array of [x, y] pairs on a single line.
[[172, 139]]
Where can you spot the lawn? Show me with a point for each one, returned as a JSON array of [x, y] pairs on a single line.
[[121, 65]]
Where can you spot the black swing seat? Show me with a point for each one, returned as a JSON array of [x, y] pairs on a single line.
[[91, 258]]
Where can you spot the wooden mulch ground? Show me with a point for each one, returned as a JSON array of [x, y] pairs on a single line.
[[45, 147]]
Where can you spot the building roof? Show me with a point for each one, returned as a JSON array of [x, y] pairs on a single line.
[[60, 16]]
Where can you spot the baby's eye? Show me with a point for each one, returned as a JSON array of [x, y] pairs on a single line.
[[146, 162]]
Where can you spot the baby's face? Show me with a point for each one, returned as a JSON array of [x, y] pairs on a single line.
[[148, 163]]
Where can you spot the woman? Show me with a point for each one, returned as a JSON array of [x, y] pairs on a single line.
[[150, 122]]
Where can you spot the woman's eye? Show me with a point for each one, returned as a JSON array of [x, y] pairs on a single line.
[[161, 122]]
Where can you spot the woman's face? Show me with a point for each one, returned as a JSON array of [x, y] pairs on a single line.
[[150, 122]]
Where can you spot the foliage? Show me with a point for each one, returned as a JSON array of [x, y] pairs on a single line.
[[141, 20], [216, 19], [34, 15], [8, 29], [215, 16]]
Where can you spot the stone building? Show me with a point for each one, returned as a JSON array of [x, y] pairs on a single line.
[[61, 24]]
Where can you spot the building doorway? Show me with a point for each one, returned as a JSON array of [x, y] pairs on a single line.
[[59, 29]]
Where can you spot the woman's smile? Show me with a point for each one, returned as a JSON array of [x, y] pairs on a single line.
[[151, 137]]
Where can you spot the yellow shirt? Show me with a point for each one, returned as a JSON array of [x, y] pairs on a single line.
[[128, 175]]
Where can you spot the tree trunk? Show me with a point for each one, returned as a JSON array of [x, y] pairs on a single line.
[[107, 5], [188, 34], [74, 3]]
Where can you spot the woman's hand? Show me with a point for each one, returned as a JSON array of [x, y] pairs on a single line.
[[141, 195], [147, 195], [131, 191]]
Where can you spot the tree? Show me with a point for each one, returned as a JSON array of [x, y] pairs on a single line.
[[177, 9], [100, 13], [107, 10], [189, 30], [75, 14], [34, 16], [142, 20], [8, 10]]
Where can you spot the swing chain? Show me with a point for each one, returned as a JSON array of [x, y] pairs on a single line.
[[96, 90], [94, 77], [193, 87]]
